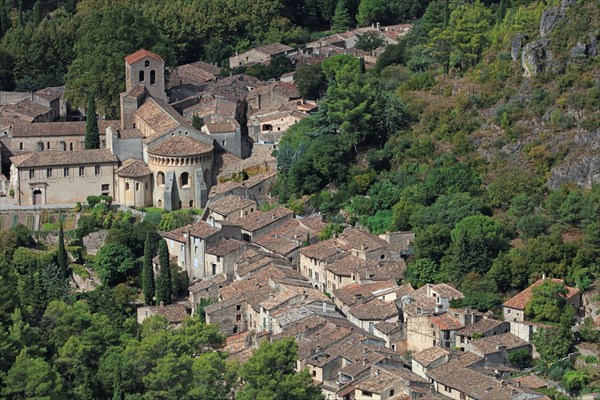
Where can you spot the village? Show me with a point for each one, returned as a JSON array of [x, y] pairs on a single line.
[[259, 270]]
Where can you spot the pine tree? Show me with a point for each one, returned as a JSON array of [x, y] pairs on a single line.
[[163, 283], [92, 134], [341, 19], [148, 272], [63, 263], [37, 13], [501, 11]]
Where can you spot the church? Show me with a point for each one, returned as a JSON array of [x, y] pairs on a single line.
[[152, 156]]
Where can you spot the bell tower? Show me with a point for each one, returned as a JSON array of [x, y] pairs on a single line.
[[148, 69]]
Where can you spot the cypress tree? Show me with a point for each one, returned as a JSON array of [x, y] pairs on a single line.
[[20, 14], [163, 283], [92, 134], [37, 13], [341, 19], [63, 263], [501, 11], [4, 21], [148, 272]]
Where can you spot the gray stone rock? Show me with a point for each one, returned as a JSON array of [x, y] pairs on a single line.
[[579, 50], [592, 49], [585, 172], [566, 3], [516, 45], [534, 57], [549, 18]]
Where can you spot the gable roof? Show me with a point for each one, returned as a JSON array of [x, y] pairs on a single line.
[[58, 158], [489, 344], [133, 168], [44, 129], [273, 49], [260, 219], [446, 322], [229, 204], [141, 53], [428, 356], [520, 300], [199, 229]]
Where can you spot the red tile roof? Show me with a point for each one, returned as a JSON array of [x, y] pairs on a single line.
[[446, 322], [138, 55], [520, 300]]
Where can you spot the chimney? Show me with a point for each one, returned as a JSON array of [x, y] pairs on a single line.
[[377, 371], [500, 347], [358, 298]]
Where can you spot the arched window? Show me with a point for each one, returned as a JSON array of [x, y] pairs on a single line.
[[191, 203], [153, 77], [141, 76], [146, 63], [159, 203], [71, 146], [184, 179], [160, 178]]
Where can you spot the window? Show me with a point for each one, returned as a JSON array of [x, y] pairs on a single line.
[[81, 171], [96, 170], [21, 146], [238, 307], [392, 392], [71, 146], [31, 174], [146, 186], [214, 268], [48, 172], [447, 389], [238, 317], [66, 171], [153, 77], [146, 63], [218, 258], [141, 76], [126, 186], [47, 145], [314, 373], [160, 178], [367, 394], [463, 396], [137, 187], [184, 179]]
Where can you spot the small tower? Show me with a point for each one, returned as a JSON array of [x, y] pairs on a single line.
[[146, 68]]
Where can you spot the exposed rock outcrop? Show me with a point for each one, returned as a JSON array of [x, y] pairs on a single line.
[[535, 56], [549, 18], [516, 45]]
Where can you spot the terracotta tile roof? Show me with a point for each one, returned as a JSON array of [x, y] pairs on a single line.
[[222, 127], [356, 239], [211, 107], [472, 383], [403, 290], [488, 344], [224, 188], [49, 93], [259, 178], [346, 265], [195, 73], [347, 294], [29, 108], [53, 157], [180, 146], [446, 322], [531, 381], [383, 378], [286, 238], [374, 310], [261, 219], [285, 89], [133, 168], [129, 133], [322, 250], [172, 259], [387, 327], [203, 284], [174, 313], [519, 301], [138, 55], [466, 359], [159, 115], [199, 229], [428, 356], [225, 247], [47, 129], [230, 203], [482, 326], [273, 49]]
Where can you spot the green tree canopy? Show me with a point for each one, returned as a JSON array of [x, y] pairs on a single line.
[[92, 133], [547, 302], [114, 262]]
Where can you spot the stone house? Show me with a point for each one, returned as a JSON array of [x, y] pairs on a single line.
[[425, 331], [174, 313], [496, 348], [227, 135], [50, 98], [221, 257], [260, 222], [136, 183], [514, 308], [207, 288], [482, 328], [272, 96], [27, 111], [425, 360], [259, 55], [62, 177], [228, 208], [188, 79], [269, 127]]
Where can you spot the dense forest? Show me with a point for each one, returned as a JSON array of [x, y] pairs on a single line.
[[452, 134]]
